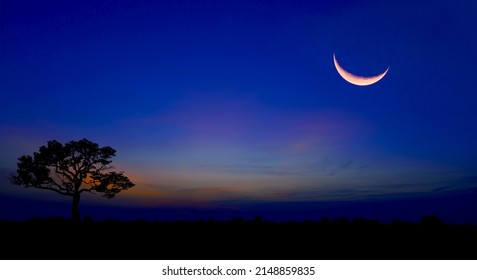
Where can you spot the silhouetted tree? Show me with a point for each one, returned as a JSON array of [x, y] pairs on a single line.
[[71, 169]]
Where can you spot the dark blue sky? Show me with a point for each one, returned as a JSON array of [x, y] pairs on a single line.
[[237, 104]]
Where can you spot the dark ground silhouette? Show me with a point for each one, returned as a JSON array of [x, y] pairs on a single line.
[[337, 239]]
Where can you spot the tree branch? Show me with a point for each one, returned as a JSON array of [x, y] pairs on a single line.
[[62, 187], [90, 190], [48, 188], [63, 171]]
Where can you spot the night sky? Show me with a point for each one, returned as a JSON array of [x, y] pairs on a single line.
[[234, 108]]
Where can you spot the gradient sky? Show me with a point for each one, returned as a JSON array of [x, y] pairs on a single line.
[[236, 105]]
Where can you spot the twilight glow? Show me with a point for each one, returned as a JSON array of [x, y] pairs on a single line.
[[236, 106]]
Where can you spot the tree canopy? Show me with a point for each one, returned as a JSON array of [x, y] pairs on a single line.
[[71, 169]]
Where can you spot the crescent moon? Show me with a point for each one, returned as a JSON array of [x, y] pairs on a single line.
[[355, 79]]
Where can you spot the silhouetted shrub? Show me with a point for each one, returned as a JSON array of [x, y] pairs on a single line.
[[87, 219], [324, 221], [431, 221], [343, 221], [258, 219]]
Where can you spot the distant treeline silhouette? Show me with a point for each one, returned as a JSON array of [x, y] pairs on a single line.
[[238, 238]]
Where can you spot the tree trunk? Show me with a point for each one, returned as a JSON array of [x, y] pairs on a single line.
[[75, 209]]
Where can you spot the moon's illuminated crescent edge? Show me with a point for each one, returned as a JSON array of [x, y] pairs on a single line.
[[355, 79]]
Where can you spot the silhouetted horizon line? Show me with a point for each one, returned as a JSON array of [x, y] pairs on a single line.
[[424, 220]]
